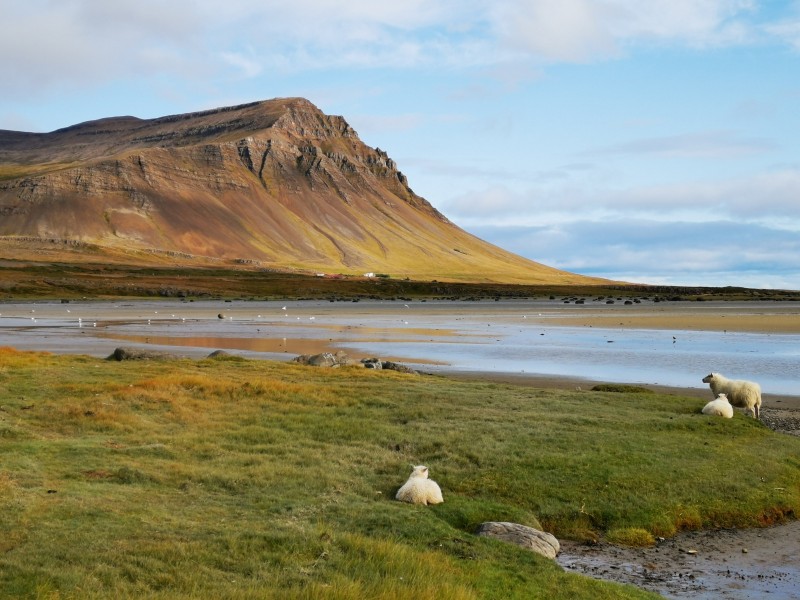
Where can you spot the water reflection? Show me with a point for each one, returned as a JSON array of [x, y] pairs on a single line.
[[510, 337]]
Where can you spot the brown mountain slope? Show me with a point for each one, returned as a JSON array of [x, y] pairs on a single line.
[[276, 184]]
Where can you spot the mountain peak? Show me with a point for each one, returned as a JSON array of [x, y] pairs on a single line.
[[112, 135]]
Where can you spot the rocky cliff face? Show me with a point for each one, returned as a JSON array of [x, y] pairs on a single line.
[[277, 184]]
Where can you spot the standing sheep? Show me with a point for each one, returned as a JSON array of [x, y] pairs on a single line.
[[744, 394], [419, 489], [720, 407]]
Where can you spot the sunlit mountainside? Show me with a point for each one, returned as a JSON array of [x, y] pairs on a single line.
[[275, 184]]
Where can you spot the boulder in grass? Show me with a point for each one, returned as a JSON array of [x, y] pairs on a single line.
[[399, 367], [324, 359], [526, 537], [137, 354]]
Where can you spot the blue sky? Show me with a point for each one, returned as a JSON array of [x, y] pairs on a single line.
[[655, 141]]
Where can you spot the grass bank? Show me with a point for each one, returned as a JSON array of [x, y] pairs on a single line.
[[251, 479]]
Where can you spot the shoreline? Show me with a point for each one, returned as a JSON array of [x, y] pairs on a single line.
[[788, 402], [278, 330], [708, 564]]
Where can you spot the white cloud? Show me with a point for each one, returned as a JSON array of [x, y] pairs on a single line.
[[675, 253], [787, 29], [49, 44], [588, 30], [249, 66], [744, 231], [90, 41], [768, 198], [706, 144]]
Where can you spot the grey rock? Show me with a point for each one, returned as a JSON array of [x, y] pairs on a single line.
[[401, 368], [526, 537], [121, 354], [324, 359]]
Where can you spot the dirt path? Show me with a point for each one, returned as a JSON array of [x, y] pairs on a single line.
[[731, 563]]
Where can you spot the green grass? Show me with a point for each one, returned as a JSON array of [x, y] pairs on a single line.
[[250, 479], [621, 388]]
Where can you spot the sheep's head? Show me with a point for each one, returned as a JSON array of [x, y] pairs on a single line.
[[709, 378], [722, 396], [420, 471]]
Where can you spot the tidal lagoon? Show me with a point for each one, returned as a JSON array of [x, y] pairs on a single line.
[[666, 344]]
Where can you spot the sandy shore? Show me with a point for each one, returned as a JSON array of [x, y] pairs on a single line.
[[756, 317], [745, 323]]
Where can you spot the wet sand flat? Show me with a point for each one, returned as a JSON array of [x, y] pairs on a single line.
[[768, 322]]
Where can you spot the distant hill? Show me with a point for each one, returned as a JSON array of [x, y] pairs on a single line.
[[275, 184]]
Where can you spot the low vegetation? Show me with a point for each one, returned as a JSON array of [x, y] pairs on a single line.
[[235, 478], [64, 276], [621, 388]]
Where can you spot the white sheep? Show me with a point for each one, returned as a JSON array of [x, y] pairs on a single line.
[[419, 489], [744, 394], [720, 407]]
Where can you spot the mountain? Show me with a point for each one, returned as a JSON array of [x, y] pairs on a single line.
[[275, 184]]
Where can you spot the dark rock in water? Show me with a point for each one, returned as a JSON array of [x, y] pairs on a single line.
[[527, 537], [136, 354]]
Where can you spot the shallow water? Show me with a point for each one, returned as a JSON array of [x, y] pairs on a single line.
[[730, 563], [501, 337]]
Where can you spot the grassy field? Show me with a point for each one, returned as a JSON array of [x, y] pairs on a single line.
[[233, 478]]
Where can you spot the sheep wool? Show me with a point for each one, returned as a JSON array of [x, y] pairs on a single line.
[[720, 407], [744, 394], [419, 489]]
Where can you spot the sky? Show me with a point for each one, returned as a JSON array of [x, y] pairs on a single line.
[[650, 141]]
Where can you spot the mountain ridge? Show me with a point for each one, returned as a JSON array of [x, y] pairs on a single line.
[[271, 184]]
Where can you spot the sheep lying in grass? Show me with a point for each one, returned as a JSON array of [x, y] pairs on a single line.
[[720, 407], [419, 489], [744, 394]]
